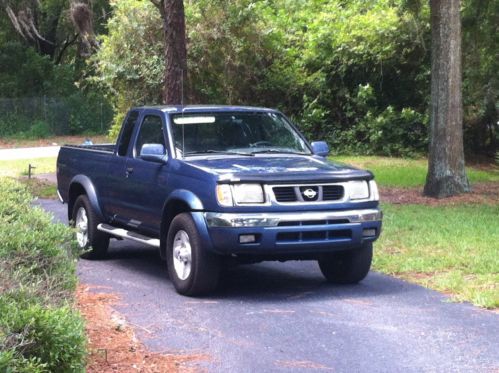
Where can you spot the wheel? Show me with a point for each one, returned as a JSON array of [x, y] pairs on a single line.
[[348, 267], [91, 241], [192, 269]]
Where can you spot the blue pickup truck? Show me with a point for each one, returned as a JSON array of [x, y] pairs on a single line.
[[213, 185]]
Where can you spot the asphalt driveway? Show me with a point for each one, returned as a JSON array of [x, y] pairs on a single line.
[[284, 317]]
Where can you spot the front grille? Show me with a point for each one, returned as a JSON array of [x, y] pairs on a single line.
[[308, 194], [332, 192], [289, 237], [285, 194], [312, 222]]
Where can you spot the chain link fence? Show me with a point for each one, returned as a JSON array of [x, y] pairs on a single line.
[[45, 116]]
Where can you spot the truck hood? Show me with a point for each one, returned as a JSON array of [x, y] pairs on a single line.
[[278, 168]]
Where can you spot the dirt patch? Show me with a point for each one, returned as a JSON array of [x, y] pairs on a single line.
[[482, 193], [41, 187], [112, 344]]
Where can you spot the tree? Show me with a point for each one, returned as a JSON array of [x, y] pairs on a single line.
[[173, 16], [52, 27], [446, 172]]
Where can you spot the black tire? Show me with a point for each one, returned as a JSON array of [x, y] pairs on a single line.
[[347, 267], [204, 269], [97, 242]]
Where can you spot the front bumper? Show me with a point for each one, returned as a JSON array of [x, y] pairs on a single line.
[[296, 232]]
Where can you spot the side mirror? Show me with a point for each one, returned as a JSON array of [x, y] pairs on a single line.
[[153, 153], [320, 148]]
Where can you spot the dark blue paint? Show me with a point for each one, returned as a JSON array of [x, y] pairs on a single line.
[[143, 194]]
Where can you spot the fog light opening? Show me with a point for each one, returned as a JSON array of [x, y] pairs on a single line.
[[247, 238], [370, 232]]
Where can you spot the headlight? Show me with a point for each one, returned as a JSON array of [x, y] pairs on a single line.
[[374, 190], [358, 190], [224, 195], [240, 194], [248, 193]]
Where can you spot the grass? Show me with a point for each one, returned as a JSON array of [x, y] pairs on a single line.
[[454, 249], [19, 167], [40, 188], [406, 173]]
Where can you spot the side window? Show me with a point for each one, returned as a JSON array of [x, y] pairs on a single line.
[[126, 132], [151, 132]]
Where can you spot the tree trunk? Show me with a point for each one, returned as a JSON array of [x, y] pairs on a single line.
[[446, 173], [175, 52]]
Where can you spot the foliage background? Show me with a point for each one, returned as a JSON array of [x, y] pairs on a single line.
[[355, 73]]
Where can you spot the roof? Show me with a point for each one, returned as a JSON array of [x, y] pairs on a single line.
[[205, 108]]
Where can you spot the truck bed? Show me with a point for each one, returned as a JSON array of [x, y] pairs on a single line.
[[98, 147], [93, 161]]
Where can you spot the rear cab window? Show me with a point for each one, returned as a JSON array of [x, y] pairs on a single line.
[[126, 133]]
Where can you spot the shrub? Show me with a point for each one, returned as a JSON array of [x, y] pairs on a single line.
[[390, 133], [39, 329]]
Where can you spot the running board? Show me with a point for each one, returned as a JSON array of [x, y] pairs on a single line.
[[123, 233]]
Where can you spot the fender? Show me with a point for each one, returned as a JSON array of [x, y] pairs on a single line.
[[186, 196], [180, 200], [88, 186], [200, 222]]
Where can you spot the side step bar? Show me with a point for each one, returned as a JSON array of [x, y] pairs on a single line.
[[123, 233]]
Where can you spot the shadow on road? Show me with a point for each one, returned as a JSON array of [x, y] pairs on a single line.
[[265, 281]]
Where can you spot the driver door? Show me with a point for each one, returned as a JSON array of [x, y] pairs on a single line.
[[147, 180]]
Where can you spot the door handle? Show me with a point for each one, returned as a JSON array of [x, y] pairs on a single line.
[[128, 171]]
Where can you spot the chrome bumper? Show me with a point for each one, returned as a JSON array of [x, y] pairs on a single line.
[[216, 219]]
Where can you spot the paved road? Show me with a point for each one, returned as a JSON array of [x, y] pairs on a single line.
[[284, 317], [29, 153]]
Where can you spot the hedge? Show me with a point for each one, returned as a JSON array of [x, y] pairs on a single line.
[[40, 329]]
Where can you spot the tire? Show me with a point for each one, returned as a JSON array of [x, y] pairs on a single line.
[[192, 269], [348, 267], [92, 242]]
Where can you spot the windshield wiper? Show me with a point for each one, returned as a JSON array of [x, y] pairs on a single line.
[[211, 151], [277, 151]]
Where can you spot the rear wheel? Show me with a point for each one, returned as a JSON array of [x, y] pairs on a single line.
[[348, 267], [92, 242], [192, 269]]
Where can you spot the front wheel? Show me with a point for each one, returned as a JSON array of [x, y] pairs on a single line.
[[348, 267], [92, 242], [192, 269]]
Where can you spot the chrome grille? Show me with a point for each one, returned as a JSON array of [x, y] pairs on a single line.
[[308, 193]]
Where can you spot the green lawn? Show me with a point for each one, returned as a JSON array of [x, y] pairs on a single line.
[[19, 167], [404, 173], [454, 249]]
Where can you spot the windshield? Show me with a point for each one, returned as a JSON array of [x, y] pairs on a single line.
[[235, 133]]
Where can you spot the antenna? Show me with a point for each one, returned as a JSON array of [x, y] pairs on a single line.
[[182, 104], [182, 89]]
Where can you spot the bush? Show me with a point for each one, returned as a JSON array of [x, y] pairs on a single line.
[[391, 133], [40, 331], [11, 124]]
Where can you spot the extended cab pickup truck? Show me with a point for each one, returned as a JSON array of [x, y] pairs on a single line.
[[208, 185]]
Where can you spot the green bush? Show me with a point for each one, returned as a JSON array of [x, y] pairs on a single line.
[[12, 124], [391, 133], [40, 331]]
